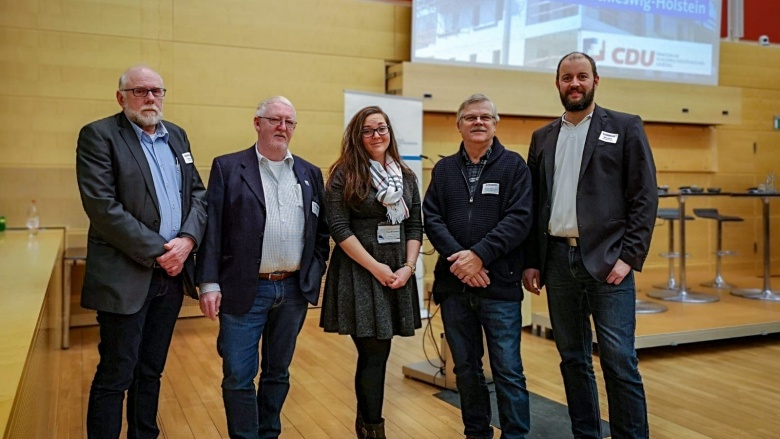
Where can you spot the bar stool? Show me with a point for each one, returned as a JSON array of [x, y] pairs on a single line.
[[713, 214], [670, 215]]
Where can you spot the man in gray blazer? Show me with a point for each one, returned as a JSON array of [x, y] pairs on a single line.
[[260, 265], [594, 200], [147, 209]]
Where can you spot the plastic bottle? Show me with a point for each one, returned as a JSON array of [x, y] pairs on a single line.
[[33, 220], [770, 183]]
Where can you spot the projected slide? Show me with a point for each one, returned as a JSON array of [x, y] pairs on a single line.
[[658, 40]]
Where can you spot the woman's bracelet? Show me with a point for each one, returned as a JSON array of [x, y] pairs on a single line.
[[411, 266]]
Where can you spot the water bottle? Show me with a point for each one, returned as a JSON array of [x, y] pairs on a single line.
[[770, 183], [33, 220]]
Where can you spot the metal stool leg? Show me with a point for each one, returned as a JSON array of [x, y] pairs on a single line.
[[648, 307], [671, 284], [718, 282]]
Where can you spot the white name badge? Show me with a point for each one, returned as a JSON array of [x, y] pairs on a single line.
[[315, 208], [187, 157], [490, 188], [608, 137], [388, 233]]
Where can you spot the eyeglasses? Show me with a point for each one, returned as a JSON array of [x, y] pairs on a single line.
[[275, 121], [470, 118], [143, 92], [368, 132]]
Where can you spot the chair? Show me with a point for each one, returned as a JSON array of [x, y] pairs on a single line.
[[670, 215], [713, 214]]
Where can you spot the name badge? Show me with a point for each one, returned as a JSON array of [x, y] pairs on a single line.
[[490, 188], [315, 208], [388, 233], [608, 137], [187, 157]]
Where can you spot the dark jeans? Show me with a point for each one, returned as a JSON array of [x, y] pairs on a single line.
[[574, 296], [133, 349], [465, 316], [370, 377], [277, 315]]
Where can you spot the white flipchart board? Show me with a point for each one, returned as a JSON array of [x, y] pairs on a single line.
[[406, 117]]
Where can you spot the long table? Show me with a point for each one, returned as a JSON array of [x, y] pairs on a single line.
[[30, 331]]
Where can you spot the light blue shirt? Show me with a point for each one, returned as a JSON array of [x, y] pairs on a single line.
[[166, 174]]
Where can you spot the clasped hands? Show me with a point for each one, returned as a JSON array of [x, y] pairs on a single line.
[[176, 252], [467, 266], [392, 279]]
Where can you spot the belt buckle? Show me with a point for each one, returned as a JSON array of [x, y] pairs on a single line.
[[275, 276], [571, 241]]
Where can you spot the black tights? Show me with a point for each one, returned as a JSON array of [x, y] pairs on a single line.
[[370, 376]]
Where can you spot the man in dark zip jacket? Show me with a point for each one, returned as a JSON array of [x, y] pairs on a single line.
[[477, 215]]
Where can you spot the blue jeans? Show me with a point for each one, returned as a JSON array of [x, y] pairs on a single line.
[[573, 296], [465, 316], [277, 315], [133, 349]]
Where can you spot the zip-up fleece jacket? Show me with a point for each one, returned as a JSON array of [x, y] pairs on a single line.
[[493, 223]]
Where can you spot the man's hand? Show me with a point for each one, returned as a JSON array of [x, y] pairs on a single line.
[[177, 251], [466, 265], [209, 304], [531, 280], [480, 280], [619, 271]]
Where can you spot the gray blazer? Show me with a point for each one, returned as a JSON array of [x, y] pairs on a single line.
[[118, 195]]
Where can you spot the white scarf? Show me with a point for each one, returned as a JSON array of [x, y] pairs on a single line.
[[389, 184]]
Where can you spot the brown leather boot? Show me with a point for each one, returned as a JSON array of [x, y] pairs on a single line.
[[373, 431]]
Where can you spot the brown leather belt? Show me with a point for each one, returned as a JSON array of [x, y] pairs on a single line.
[[571, 242], [278, 275]]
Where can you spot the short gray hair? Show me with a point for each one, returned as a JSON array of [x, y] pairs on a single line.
[[126, 73], [476, 98], [262, 105]]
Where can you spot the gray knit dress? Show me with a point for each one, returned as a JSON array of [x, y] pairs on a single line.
[[354, 302]]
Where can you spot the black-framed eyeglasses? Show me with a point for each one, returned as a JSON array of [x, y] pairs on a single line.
[[368, 132], [471, 118], [140, 92], [275, 121]]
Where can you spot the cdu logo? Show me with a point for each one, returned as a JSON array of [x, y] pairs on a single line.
[[591, 47]]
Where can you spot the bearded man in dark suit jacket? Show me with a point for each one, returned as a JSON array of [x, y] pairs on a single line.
[[147, 209], [595, 201], [260, 265]]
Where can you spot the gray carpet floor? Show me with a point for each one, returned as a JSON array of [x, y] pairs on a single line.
[[549, 419]]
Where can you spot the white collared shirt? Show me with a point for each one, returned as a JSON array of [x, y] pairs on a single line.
[[568, 161], [284, 217], [284, 220]]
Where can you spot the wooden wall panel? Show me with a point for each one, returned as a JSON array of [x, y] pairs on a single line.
[[327, 27], [317, 137], [246, 76], [149, 19], [73, 66], [748, 65], [42, 132], [534, 94]]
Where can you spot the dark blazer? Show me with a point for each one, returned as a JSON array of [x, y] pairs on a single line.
[[233, 245], [617, 195], [118, 195]]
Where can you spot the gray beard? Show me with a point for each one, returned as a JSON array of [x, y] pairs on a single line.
[[145, 121]]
